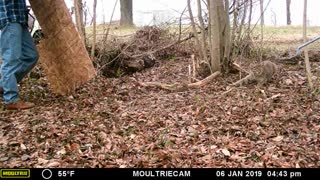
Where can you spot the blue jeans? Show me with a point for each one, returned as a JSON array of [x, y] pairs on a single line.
[[19, 56]]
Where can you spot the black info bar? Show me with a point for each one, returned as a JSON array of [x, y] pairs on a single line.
[[159, 173]]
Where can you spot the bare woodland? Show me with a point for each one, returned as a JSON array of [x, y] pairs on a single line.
[[218, 92]]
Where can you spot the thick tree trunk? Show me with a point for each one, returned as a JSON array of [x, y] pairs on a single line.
[[78, 8], [227, 38], [126, 13], [220, 35], [288, 12], [62, 52], [215, 38]]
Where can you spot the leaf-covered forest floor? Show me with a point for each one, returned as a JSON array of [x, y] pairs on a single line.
[[115, 122]]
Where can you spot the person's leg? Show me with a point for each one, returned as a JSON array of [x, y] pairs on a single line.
[[11, 50], [29, 56], [13, 68]]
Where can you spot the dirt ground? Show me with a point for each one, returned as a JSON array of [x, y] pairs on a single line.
[[117, 123]]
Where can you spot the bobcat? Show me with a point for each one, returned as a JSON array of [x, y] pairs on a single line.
[[260, 74]]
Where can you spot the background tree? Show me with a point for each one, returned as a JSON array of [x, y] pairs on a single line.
[[94, 20], [220, 34], [306, 54], [126, 13], [78, 8], [262, 19], [288, 12]]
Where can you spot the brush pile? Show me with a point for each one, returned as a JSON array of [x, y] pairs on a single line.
[[142, 50]]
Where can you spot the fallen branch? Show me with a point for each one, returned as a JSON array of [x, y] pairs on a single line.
[[239, 68], [244, 80], [205, 81], [180, 87]]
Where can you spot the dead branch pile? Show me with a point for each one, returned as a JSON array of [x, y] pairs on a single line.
[[286, 58], [141, 51]]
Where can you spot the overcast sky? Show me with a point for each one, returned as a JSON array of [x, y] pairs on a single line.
[[166, 9]]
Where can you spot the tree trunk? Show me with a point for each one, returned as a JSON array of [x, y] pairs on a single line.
[[243, 19], [94, 29], [203, 43], [126, 13], [226, 37], [215, 7], [250, 18], [288, 12], [62, 52], [235, 25], [78, 8], [262, 19], [306, 54]]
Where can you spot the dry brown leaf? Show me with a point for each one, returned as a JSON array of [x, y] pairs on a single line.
[[226, 152], [278, 138]]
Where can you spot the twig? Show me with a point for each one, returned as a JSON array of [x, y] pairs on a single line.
[[193, 67], [248, 77], [122, 52], [204, 81], [111, 18], [189, 75], [239, 68]]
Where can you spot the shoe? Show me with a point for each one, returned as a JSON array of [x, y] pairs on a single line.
[[19, 105]]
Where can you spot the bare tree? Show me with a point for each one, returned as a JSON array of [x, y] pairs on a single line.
[[94, 29], [200, 49], [306, 54], [126, 13], [204, 46], [226, 37], [288, 12], [78, 8], [250, 15], [261, 19], [220, 33]]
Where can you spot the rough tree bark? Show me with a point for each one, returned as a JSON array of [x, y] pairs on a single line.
[[62, 52], [215, 38], [78, 8], [126, 13], [219, 33], [288, 12]]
